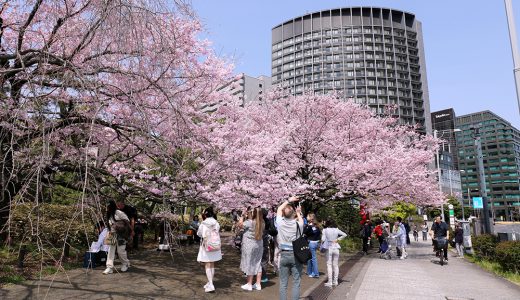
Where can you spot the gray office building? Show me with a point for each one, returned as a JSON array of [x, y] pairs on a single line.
[[373, 55], [501, 151]]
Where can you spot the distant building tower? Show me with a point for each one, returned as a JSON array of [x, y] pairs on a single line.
[[444, 122], [246, 88], [372, 55], [501, 151]]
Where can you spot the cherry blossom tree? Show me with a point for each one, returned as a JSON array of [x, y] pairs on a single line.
[[107, 91], [322, 148]]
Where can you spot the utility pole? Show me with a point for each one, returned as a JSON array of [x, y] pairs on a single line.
[[482, 178], [514, 47]]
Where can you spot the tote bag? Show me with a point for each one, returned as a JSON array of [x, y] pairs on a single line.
[[301, 250]]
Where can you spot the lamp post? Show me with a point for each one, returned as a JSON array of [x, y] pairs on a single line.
[[435, 135], [481, 177]]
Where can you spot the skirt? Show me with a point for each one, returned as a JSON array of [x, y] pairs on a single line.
[[251, 260]]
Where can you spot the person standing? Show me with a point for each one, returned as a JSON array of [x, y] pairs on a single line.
[[207, 228], [425, 232], [401, 238], [131, 213], [378, 231], [313, 234], [366, 233], [119, 233], [331, 236], [459, 240], [288, 222], [407, 229], [252, 248]]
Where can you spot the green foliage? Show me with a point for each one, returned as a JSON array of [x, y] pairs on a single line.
[[351, 244], [12, 278], [495, 268], [344, 213], [225, 222], [484, 246], [507, 254], [400, 209], [51, 223]]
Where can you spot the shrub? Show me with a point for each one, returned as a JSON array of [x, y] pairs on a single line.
[[351, 244], [484, 246], [507, 254], [51, 223]]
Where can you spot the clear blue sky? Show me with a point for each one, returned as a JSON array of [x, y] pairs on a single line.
[[468, 54]]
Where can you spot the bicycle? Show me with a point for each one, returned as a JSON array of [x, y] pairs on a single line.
[[440, 244]]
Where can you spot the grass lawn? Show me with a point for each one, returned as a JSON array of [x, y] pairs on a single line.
[[494, 268]]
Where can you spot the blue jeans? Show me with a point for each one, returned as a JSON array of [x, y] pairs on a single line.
[[289, 264], [312, 265]]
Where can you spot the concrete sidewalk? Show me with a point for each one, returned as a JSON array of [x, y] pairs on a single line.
[[421, 277]]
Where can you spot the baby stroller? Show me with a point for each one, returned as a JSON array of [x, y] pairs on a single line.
[[386, 247]]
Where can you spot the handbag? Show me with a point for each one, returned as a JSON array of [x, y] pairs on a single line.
[[110, 239], [324, 247], [301, 250]]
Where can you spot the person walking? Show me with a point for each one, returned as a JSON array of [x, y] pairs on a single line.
[[313, 234], [119, 233], [208, 231], [401, 238], [330, 237], [252, 248], [425, 232], [459, 240], [415, 233], [288, 222]]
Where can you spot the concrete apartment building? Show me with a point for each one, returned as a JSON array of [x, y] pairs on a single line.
[[501, 151], [373, 55]]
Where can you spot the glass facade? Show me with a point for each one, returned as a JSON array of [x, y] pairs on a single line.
[[501, 151]]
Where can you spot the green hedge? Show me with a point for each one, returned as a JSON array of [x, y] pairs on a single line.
[[507, 254], [351, 244], [484, 246]]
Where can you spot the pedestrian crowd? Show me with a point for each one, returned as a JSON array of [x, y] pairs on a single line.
[[282, 238]]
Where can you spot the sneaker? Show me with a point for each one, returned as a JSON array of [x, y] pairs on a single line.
[[247, 287], [316, 276], [210, 288], [206, 285], [264, 280], [108, 271], [335, 283], [257, 287], [124, 268], [402, 257], [328, 284]]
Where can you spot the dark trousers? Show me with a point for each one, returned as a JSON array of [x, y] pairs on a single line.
[[365, 244], [380, 239], [444, 249]]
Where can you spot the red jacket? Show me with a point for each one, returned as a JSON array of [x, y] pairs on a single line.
[[378, 230]]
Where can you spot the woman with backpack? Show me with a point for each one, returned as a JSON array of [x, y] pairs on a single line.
[[330, 237], [119, 232], [209, 250], [252, 248]]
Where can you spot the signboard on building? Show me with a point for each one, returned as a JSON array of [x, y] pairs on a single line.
[[477, 202]]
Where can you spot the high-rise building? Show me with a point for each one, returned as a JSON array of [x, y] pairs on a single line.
[[443, 123], [501, 152], [373, 55]]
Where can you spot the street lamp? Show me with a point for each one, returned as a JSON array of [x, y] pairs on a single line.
[[439, 164]]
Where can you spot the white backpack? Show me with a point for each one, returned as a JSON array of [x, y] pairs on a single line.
[[211, 241]]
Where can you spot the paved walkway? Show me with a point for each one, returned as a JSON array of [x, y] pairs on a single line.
[[154, 275], [421, 277]]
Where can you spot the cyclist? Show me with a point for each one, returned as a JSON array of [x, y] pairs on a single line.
[[438, 231]]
